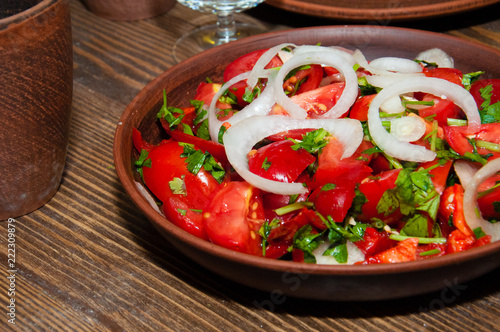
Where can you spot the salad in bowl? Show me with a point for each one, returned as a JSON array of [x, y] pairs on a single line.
[[314, 154]]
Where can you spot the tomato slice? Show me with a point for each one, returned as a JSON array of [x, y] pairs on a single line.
[[495, 94], [181, 191], [242, 65], [457, 138], [216, 149], [489, 201], [334, 201], [278, 161], [404, 251], [452, 75], [306, 79], [206, 92], [139, 143], [374, 242], [359, 110], [442, 110], [234, 216], [373, 188], [333, 169], [439, 174]]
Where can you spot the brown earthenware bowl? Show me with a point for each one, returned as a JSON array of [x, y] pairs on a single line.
[[378, 10], [337, 283], [128, 10]]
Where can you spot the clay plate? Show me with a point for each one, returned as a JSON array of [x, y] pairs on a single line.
[[336, 283], [379, 10]]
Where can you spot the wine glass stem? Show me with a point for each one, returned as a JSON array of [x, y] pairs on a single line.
[[226, 25]]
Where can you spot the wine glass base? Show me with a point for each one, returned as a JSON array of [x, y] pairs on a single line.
[[206, 37]]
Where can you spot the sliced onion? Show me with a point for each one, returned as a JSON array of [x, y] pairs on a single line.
[[404, 150], [392, 105], [240, 138], [374, 70], [381, 81], [408, 128], [333, 59], [474, 219], [354, 254], [437, 56], [214, 123], [334, 50], [258, 70], [395, 64], [465, 171]]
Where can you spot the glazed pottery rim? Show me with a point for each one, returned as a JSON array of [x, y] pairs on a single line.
[[6, 22], [159, 221]]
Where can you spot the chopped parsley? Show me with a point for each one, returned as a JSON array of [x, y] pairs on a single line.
[[266, 164], [313, 141], [196, 159], [470, 78], [172, 115], [143, 161], [489, 113], [178, 186]]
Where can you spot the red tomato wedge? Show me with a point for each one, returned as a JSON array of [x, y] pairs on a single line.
[[278, 161], [244, 64], [450, 74], [181, 191], [457, 138], [441, 111], [234, 216], [477, 86]]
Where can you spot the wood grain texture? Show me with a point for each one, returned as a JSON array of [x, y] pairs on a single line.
[[90, 261]]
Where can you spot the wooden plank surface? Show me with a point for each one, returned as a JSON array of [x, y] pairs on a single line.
[[90, 261]]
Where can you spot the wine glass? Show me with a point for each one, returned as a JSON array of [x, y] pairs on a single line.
[[226, 29]]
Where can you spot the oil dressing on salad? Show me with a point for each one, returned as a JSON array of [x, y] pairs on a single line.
[[315, 154]]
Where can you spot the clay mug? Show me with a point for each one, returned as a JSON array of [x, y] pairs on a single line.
[[36, 86], [128, 10]]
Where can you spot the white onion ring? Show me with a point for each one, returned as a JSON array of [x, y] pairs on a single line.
[[437, 56], [213, 123], [395, 64], [240, 138], [258, 69], [408, 128], [382, 81], [334, 50], [465, 171], [333, 59], [407, 151], [392, 105], [470, 200]]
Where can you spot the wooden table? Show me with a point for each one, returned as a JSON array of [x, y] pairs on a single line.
[[90, 261]]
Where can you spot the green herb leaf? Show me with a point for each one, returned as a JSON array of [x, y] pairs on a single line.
[[266, 164], [196, 159], [312, 141], [417, 226], [478, 232], [143, 161], [177, 186], [307, 242], [338, 251], [172, 115], [470, 78]]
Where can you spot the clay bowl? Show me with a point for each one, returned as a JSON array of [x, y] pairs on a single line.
[[128, 10], [336, 283], [377, 11]]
